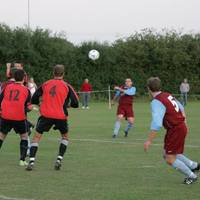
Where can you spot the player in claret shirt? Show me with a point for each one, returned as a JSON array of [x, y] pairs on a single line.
[[168, 112], [56, 95], [125, 107], [15, 102]]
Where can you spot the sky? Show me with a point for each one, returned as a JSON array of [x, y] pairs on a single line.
[[102, 20]]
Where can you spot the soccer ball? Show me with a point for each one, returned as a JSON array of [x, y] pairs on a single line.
[[93, 54]]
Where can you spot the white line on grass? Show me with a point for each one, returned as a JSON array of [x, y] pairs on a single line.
[[12, 198], [125, 142], [117, 141], [148, 166]]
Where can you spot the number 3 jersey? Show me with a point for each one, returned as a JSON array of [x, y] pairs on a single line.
[[15, 100], [55, 96], [173, 114]]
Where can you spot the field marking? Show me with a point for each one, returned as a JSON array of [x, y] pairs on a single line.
[[148, 166], [124, 142], [116, 141], [12, 198]]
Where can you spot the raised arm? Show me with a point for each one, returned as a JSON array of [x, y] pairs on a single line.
[[130, 91]]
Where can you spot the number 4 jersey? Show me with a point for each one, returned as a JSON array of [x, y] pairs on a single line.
[[15, 100], [56, 95], [173, 115]]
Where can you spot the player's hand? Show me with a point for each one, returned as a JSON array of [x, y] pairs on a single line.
[[8, 65], [147, 145], [116, 88]]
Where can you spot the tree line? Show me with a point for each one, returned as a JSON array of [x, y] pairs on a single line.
[[171, 55]]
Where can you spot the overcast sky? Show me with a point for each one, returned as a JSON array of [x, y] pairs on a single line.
[[102, 20]]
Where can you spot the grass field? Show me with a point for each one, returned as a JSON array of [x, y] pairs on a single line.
[[97, 167]]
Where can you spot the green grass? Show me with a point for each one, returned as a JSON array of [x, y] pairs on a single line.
[[97, 167]]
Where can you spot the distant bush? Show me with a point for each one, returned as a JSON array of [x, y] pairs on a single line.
[[170, 55]]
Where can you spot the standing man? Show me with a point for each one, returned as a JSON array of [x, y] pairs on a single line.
[[15, 102], [168, 112], [56, 95], [125, 107], [184, 89], [86, 89]]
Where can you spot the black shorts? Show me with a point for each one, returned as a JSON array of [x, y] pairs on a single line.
[[44, 125], [19, 127]]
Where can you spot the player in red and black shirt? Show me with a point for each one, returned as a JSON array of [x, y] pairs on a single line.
[[55, 97], [10, 76], [15, 101], [168, 112]]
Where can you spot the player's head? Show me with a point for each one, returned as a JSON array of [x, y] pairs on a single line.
[[154, 84], [185, 80], [128, 82], [86, 80], [19, 75], [59, 71], [18, 65], [12, 72]]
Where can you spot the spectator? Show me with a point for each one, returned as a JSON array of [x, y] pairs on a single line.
[[184, 89], [86, 89], [32, 86]]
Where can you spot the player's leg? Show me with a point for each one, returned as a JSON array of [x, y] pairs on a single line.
[[63, 128], [174, 145], [62, 149], [5, 127], [182, 167], [33, 150], [87, 100], [21, 128], [83, 100], [117, 125], [30, 127], [182, 99], [186, 98], [194, 166], [129, 125], [2, 138], [23, 149], [43, 124]]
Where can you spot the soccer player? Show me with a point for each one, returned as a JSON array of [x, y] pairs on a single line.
[[10, 75], [125, 110], [15, 101], [168, 112], [56, 95]]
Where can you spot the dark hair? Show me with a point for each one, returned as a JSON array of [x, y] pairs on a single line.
[[19, 75], [154, 84], [59, 70], [12, 72]]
